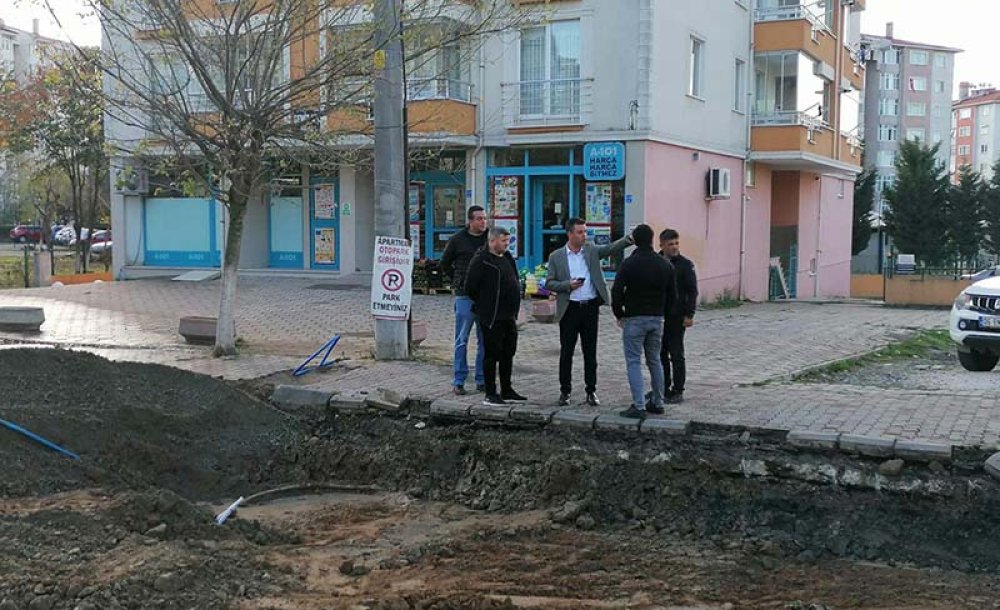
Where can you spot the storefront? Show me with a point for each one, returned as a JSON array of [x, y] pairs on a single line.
[[437, 199], [532, 192]]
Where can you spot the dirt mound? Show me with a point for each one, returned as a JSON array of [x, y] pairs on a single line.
[[136, 426], [131, 550]]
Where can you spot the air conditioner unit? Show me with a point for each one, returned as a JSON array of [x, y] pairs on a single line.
[[131, 180], [717, 183]]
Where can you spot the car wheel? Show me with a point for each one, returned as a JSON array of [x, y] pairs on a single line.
[[978, 363]]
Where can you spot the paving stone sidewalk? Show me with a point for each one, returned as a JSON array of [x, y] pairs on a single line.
[[282, 320]]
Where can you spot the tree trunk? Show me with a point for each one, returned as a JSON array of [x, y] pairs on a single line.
[[225, 334]]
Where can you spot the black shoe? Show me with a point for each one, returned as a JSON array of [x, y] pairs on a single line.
[[563, 399], [633, 412], [512, 395], [494, 400], [592, 399], [480, 388], [653, 409], [675, 398], [459, 390]]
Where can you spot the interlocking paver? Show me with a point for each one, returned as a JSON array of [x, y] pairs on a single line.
[[282, 320]]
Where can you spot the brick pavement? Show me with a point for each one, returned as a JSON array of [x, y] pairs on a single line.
[[283, 319]]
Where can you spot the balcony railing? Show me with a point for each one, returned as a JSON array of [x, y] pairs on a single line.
[[438, 89], [791, 13], [793, 117], [564, 101]]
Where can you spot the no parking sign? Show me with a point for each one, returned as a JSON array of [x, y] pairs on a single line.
[[392, 288]]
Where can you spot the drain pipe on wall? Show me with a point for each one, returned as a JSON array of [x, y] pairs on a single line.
[[819, 233], [480, 129], [745, 198]]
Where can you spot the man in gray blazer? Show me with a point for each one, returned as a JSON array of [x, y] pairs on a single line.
[[575, 276]]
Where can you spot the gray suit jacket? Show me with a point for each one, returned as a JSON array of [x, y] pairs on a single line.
[[558, 279]]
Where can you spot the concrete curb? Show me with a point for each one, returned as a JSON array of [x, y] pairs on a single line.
[[297, 399], [528, 415]]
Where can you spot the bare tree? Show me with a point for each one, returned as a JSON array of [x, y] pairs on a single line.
[[226, 92]]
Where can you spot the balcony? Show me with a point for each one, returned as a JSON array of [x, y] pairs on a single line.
[[793, 117], [564, 102], [815, 13], [438, 89]]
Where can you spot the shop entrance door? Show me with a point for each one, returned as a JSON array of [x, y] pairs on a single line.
[[551, 206]]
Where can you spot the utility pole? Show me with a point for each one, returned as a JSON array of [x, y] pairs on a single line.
[[391, 336]]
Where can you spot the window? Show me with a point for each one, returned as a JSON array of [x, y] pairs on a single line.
[[883, 182], [939, 86], [941, 111], [940, 60], [965, 131], [916, 109], [918, 83], [916, 133], [696, 67], [887, 133], [888, 107], [984, 148], [739, 85], [918, 58], [550, 69], [985, 111], [890, 82], [984, 129], [965, 113], [886, 158], [890, 56], [964, 150]]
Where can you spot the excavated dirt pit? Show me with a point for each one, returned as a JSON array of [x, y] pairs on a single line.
[[464, 517]]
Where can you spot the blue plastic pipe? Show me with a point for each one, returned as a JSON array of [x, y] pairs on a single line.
[[38, 439]]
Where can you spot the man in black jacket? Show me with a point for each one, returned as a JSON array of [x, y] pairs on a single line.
[[642, 289], [454, 263], [679, 318], [495, 289]]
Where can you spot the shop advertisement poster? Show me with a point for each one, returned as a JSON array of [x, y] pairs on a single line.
[[598, 199], [414, 202], [325, 246], [506, 201], [600, 236], [415, 239], [326, 206], [392, 289], [511, 225]]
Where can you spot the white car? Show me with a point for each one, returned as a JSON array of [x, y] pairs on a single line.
[[974, 325]]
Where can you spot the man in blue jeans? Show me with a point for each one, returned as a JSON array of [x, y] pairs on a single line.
[[455, 263], [643, 286]]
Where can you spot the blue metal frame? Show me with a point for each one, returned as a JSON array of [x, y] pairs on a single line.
[[530, 256], [433, 180], [315, 223]]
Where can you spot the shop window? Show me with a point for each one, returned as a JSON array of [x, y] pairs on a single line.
[[507, 157], [549, 156], [602, 205]]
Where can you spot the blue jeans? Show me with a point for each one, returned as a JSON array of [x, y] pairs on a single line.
[[643, 334], [464, 319]]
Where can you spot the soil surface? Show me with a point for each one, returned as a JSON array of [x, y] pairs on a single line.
[[453, 516]]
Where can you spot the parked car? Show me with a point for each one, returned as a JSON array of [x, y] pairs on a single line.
[[974, 325], [100, 236], [84, 231], [26, 233], [99, 249], [65, 236], [982, 275]]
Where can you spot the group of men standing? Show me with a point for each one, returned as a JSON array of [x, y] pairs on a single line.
[[653, 298]]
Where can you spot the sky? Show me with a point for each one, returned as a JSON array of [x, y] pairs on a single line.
[[967, 24]]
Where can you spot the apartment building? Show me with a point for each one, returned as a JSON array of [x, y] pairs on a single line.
[[977, 131], [907, 97], [733, 122]]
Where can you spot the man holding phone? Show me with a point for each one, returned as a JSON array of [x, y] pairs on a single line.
[[575, 276]]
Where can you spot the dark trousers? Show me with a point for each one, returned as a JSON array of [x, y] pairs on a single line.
[[501, 345], [580, 320], [672, 355]]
